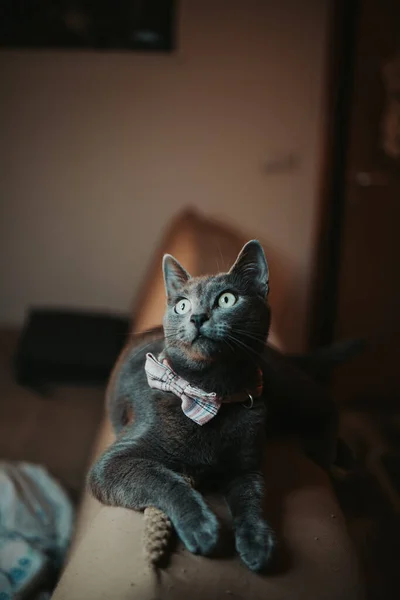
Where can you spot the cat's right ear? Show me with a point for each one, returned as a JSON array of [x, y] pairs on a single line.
[[175, 275]]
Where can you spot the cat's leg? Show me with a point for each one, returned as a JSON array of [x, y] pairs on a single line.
[[122, 478], [254, 537]]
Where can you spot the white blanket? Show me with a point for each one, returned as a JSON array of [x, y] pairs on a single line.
[[36, 521]]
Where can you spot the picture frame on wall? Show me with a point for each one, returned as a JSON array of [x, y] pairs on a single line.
[[107, 25]]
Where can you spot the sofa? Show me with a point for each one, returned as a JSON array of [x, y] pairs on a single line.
[[316, 560]]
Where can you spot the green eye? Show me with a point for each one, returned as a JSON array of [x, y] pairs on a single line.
[[226, 300], [183, 306]]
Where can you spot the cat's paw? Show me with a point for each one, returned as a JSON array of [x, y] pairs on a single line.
[[198, 529], [255, 544]]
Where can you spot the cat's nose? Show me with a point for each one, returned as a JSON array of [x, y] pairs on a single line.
[[198, 320]]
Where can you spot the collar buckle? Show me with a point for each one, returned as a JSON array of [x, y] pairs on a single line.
[[251, 402]]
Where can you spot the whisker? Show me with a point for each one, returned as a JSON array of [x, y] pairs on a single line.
[[228, 344], [249, 335], [244, 346], [152, 329], [218, 267], [258, 354], [222, 258], [141, 348]]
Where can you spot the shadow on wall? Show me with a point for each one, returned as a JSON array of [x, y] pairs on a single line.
[[205, 245]]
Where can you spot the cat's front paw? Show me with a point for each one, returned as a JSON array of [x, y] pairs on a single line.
[[198, 528], [255, 543]]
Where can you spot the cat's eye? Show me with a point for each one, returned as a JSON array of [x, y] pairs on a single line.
[[226, 300], [183, 306]]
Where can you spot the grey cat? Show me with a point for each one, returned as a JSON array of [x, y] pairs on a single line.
[[211, 424]]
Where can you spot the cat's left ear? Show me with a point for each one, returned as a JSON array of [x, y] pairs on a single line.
[[252, 266], [175, 275]]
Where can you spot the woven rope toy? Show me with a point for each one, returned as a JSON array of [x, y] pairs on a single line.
[[157, 533]]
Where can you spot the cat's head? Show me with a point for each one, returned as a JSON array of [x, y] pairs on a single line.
[[221, 315]]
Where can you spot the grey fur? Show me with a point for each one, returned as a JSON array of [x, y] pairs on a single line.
[[222, 351]]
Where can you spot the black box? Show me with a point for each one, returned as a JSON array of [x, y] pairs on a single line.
[[60, 346]]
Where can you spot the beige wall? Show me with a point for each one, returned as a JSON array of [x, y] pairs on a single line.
[[98, 150]]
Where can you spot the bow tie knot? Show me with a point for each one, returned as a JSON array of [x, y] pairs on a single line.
[[198, 405]]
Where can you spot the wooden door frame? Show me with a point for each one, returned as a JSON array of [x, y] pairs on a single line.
[[342, 40]]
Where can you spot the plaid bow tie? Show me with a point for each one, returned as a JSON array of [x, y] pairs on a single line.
[[197, 405]]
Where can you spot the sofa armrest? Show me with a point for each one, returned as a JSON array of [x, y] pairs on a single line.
[[108, 561]]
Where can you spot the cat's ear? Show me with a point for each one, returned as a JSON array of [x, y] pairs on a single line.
[[175, 275], [252, 266]]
